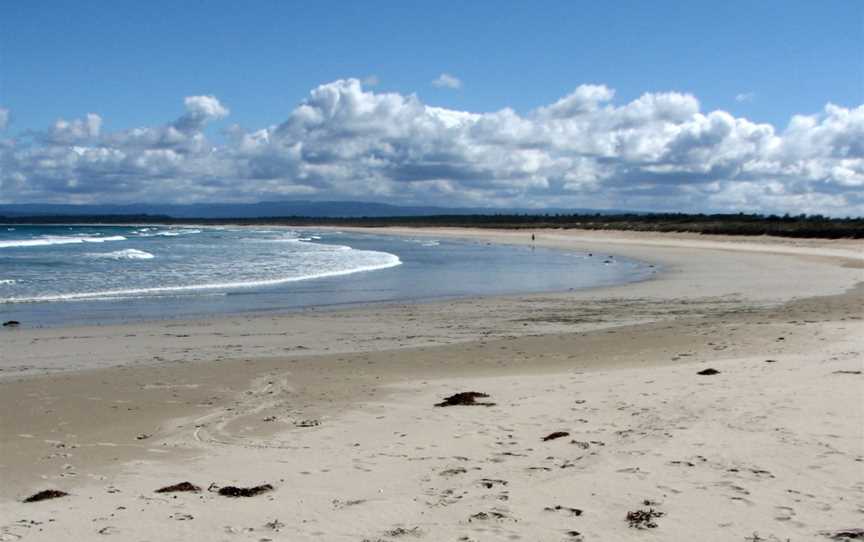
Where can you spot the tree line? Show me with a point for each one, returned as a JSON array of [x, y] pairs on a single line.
[[799, 226]]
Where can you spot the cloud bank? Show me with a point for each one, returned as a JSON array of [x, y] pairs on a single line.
[[658, 152]]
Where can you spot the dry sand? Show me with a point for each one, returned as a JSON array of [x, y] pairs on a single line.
[[335, 410]]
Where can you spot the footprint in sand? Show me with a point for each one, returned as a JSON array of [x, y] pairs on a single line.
[[784, 513]]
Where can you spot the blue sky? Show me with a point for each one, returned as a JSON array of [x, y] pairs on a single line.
[[133, 63], [130, 61]]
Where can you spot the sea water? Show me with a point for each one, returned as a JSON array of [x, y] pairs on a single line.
[[64, 275]]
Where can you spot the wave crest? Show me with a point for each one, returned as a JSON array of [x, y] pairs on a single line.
[[126, 254], [59, 240], [387, 260]]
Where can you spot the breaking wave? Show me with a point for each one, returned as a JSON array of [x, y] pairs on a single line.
[[127, 254], [58, 240]]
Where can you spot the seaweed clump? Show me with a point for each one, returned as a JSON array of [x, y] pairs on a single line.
[[45, 495], [643, 519], [232, 491], [182, 486], [465, 398]]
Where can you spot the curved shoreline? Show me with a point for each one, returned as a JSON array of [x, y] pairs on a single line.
[[16, 307], [713, 272], [371, 374]]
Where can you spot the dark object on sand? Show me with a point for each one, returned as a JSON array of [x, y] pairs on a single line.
[[489, 483], [847, 372], [274, 525], [402, 531], [845, 534], [770, 361], [556, 434], [558, 507], [11, 323], [182, 486], [307, 423], [643, 519], [708, 372], [45, 495], [231, 491], [467, 398]]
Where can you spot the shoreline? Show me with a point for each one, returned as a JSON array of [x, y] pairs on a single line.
[[35, 313], [642, 246], [356, 365]]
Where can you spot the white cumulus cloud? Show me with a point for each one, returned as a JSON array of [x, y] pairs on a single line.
[[200, 110], [445, 80], [660, 151], [76, 130]]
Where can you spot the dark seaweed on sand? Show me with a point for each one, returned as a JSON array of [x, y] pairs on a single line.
[[556, 434], [232, 491], [45, 495], [402, 531], [182, 486], [708, 372], [643, 519], [465, 398], [845, 534]]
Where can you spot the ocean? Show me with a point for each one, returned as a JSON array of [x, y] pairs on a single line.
[[69, 275]]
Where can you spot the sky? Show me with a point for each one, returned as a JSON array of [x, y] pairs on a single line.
[[667, 106]]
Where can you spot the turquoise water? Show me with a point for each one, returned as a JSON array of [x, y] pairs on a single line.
[[60, 275]]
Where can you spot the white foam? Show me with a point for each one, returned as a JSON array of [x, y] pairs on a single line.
[[173, 233], [424, 242], [59, 240], [7, 281], [127, 254], [390, 260], [279, 240], [146, 232]]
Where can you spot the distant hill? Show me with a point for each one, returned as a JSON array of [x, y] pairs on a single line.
[[322, 209]]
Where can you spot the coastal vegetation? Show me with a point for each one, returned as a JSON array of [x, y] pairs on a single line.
[[798, 226]]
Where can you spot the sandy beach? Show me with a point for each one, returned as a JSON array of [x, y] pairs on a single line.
[[595, 408]]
